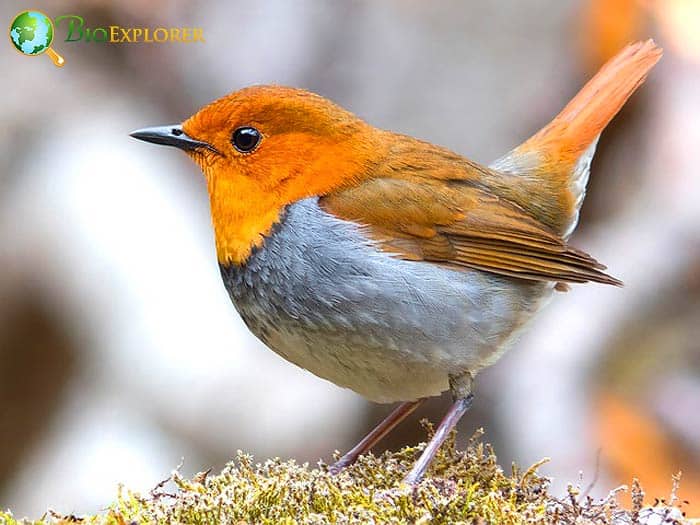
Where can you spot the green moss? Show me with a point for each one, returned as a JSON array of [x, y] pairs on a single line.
[[463, 487]]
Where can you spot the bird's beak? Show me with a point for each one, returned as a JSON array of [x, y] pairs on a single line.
[[171, 136]]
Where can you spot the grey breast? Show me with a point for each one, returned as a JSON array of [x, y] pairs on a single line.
[[321, 295]]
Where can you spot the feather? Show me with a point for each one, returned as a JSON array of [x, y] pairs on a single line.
[[556, 160], [460, 225]]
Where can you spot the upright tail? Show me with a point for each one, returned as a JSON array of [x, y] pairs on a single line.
[[555, 161]]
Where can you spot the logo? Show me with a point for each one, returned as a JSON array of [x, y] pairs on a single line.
[[32, 33], [114, 34]]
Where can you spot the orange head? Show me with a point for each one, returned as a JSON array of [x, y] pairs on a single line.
[[264, 147]]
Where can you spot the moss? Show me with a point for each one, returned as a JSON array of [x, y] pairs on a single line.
[[462, 487]]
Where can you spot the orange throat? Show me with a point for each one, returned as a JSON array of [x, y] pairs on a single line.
[[242, 218]]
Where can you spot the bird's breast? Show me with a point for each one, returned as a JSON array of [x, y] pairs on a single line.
[[319, 294]]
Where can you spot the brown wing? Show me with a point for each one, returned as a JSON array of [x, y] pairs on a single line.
[[460, 224]]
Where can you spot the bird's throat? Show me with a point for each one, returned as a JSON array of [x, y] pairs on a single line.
[[241, 219]]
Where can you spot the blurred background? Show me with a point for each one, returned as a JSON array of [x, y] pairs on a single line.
[[120, 352]]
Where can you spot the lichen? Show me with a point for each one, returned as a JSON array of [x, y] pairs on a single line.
[[463, 486]]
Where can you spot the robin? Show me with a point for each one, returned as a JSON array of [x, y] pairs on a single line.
[[386, 264]]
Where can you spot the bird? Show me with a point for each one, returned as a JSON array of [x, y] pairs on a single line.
[[386, 264]]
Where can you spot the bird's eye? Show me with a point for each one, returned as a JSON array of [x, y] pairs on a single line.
[[246, 139]]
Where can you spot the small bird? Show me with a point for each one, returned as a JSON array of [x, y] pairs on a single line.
[[386, 264]]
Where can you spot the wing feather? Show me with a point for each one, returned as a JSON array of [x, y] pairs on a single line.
[[462, 225]]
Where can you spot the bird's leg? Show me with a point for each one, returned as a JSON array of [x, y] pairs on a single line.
[[461, 388], [400, 413]]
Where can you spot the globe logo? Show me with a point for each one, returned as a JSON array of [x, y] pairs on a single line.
[[31, 32]]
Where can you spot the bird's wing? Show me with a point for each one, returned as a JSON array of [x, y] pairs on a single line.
[[459, 223]]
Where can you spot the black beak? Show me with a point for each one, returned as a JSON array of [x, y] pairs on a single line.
[[171, 136]]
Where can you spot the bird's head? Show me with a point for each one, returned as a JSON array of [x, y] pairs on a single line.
[[265, 147]]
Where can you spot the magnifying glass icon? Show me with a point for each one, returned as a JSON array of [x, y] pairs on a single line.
[[31, 32]]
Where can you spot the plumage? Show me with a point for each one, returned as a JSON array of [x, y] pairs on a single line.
[[323, 297], [384, 263], [457, 221], [550, 169]]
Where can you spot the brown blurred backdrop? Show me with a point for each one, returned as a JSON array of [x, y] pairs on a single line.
[[119, 350]]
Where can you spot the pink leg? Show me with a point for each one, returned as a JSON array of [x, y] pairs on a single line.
[[400, 413], [454, 414]]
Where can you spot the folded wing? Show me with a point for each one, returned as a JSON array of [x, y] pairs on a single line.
[[460, 224]]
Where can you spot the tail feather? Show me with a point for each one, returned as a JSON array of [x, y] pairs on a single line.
[[582, 120], [559, 155]]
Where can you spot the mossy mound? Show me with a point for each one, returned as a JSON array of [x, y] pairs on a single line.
[[462, 487]]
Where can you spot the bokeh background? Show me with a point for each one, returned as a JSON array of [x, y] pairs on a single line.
[[120, 353]]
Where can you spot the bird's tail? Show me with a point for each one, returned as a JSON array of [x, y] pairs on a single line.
[[555, 161]]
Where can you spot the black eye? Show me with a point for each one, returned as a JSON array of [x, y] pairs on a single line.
[[245, 139]]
